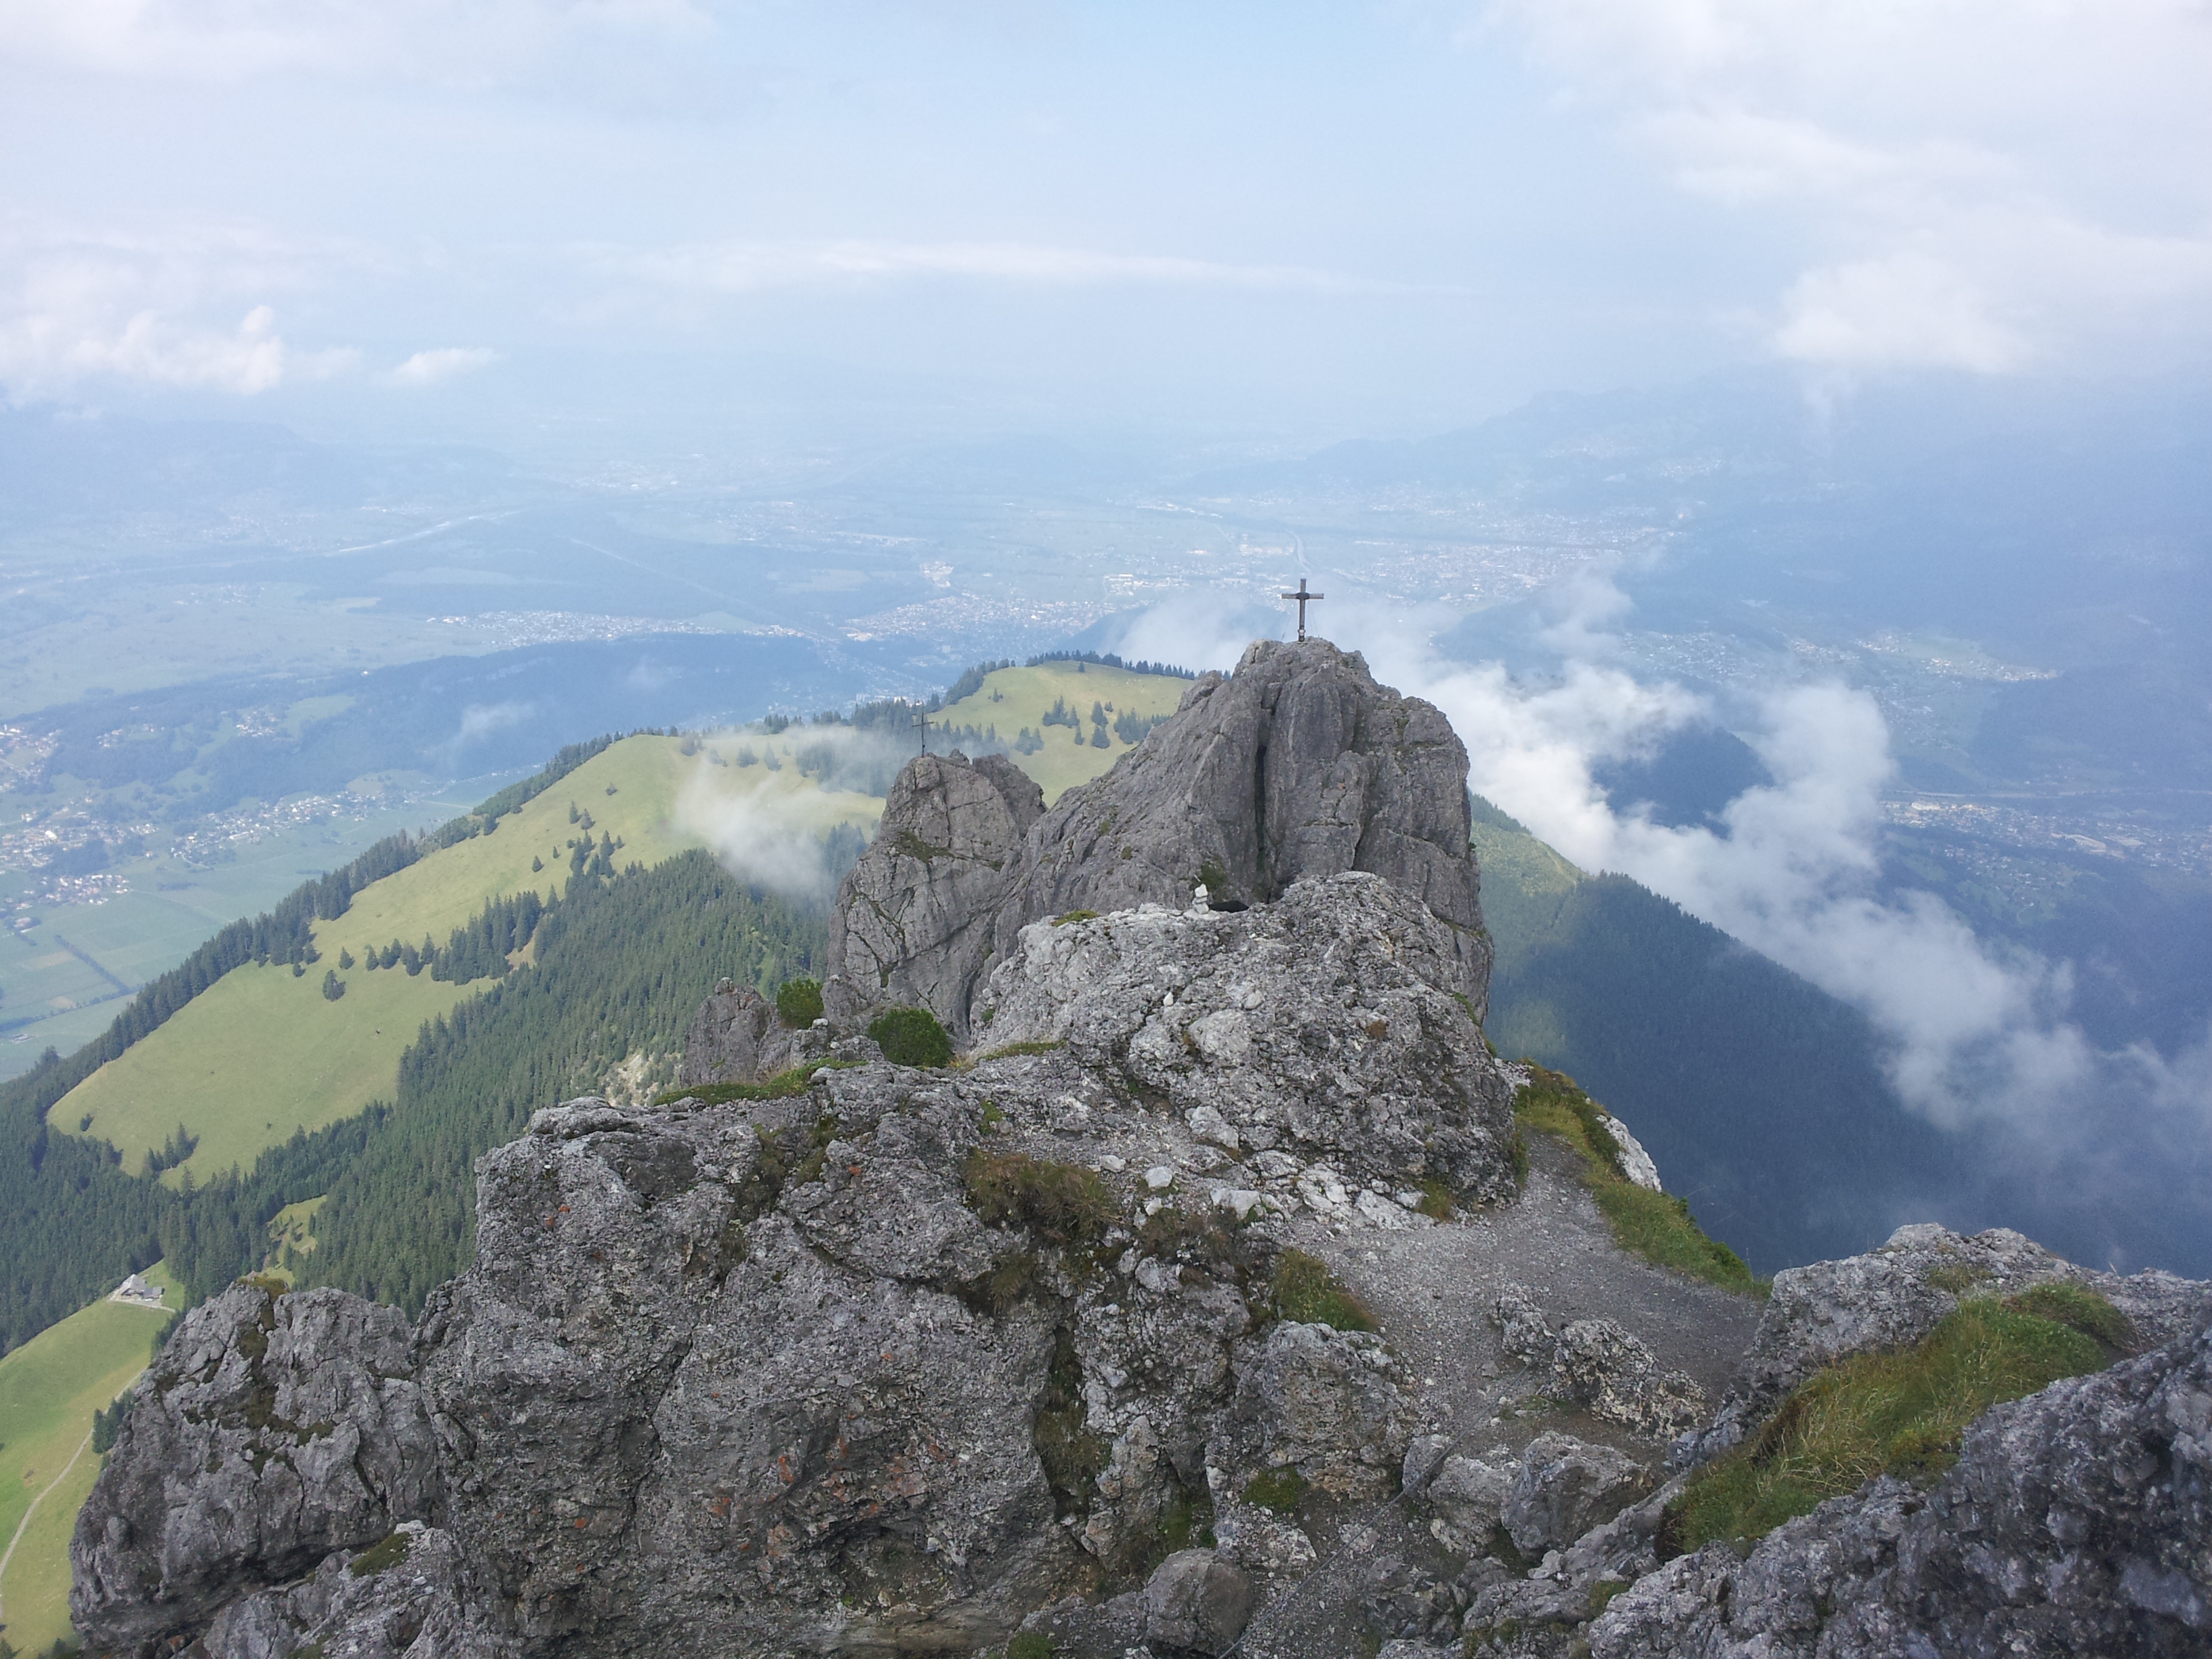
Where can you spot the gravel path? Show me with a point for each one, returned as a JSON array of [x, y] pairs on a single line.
[[1431, 1290]]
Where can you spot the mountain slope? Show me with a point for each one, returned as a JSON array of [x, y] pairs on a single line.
[[319, 1059], [620, 969], [1761, 1096]]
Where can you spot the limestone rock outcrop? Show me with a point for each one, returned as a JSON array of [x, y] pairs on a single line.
[[914, 917], [1325, 1022], [2075, 1522], [270, 1431], [403, 1598], [880, 1363], [736, 1037], [1298, 765]]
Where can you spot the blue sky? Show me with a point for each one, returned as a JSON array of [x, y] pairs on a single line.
[[1299, 220]]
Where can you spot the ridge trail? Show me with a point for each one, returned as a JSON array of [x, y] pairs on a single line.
[[23, 1525]]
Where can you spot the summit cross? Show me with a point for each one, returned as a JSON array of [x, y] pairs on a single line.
[[1302, 596], [922, 725]]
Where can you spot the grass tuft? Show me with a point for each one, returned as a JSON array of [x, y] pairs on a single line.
[[1657, 1226], [1305, 1293], [1074, 915], [1894, 1413], [1280, 1490], [2080, 1308], [1063, 1204], [1956, 1277], [1195, 1237], [380, 1556]]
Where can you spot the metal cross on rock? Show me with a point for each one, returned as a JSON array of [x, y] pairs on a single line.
[[922, 725], [1302, 596]]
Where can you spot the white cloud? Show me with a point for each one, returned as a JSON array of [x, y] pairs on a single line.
[[772, 827], [1900, 311], [444, 364], [187, 309], [38, 351], [229, 41], [1987, 185], [480, 720]]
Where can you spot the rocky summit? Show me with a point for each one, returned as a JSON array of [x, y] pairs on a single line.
[[1298, 764], [1212, 1300]]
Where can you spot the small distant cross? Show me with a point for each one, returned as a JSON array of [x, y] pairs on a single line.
[[922, 725], [1302, 596]]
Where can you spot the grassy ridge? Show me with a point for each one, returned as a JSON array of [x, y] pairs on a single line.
[[1011, 698], [441, 892], [1657, 1226], [314, 1061], [1899, 1413], [50, 1387], [253, 1057]]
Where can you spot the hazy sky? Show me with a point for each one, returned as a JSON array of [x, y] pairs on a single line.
[[1314, 219]]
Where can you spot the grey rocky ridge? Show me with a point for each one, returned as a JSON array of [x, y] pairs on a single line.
[[1298, 764], [1210, 1299]]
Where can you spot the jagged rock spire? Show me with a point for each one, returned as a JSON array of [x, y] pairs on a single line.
[[1298, 764]]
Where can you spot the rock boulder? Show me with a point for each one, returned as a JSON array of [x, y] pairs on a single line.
[[1328, 1404], [736, 1037], [1196, 1603], [271, 1430], [1565, 1487], [914, 917], [1324, 1020]]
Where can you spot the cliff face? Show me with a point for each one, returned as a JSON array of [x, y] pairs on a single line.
[[914, 917], [1299, 764], [271, 1432]]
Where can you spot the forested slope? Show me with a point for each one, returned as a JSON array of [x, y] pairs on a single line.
[[620, 969], [1761, 1096]]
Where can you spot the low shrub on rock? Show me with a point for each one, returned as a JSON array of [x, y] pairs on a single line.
[[1061, 1204], [799, 1003], [911, 1037]]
